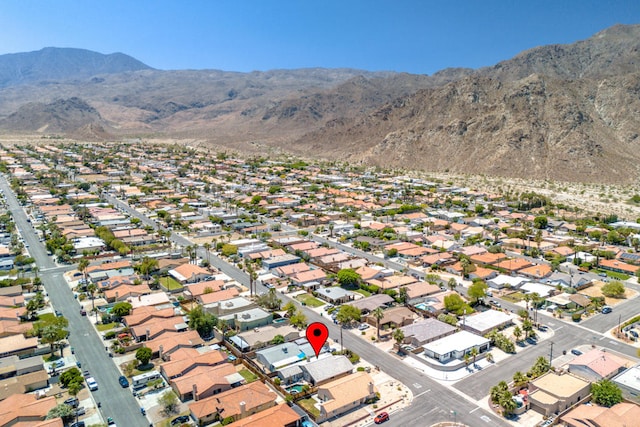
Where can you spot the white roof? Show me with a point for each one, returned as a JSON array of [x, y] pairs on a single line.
[[487, 320], [542, 290], [503, 279], [629, 378], [460, 341]]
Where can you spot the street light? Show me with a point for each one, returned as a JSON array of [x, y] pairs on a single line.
[[455, 418]]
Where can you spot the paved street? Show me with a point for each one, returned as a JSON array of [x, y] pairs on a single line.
[[117, 402]]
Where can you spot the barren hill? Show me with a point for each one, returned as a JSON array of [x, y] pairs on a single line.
[[568, 112]]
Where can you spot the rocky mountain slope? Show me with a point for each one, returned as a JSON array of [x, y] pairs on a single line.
[[569, 112]]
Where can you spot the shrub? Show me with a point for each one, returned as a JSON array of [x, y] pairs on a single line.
[[576, 317]]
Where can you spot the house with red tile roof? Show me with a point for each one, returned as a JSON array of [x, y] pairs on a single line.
[[184, 360], [237, 403], [27, 410], [276, 416], [623, 414], [163, 346], [189, 273], [205, 381]]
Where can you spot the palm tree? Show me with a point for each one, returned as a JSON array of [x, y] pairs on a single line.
[[398, 335], [82, 268], [517, 332], [474, 354], [452, 283], [465, 264], [378, 313], [207, 248], [520, 379], [91, 289]]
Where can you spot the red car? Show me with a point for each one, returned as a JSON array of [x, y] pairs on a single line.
[[83, 312], [381, 417]]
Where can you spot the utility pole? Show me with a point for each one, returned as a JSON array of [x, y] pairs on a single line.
[[551, 355]]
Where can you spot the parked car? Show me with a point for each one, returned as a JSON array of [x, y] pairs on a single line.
[[180, 420], [576, 352], [124, 382], [72, 401], [78, 424], [363, 326], [495, 303], [606, 309], [92, 384], [83, 312], [381, 417], [58, 363]]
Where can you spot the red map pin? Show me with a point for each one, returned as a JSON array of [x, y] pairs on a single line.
[[317, 334]]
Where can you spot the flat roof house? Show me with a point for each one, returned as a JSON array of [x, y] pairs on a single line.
[[426, 331], [556, 392], [455, 346], [483, 323]]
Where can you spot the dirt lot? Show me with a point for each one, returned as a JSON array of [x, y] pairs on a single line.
[[596, 291]]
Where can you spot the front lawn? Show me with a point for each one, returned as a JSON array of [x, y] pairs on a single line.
[[513, 297], [363, 292], [309, 405], [248, 375], [614, 274], [106, 326], [46, 316], [309, 300], [170, 283]]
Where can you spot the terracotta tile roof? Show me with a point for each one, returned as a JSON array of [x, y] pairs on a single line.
[[26, 407], [186, 359], [276, 416], [206, 379], [254, 396]]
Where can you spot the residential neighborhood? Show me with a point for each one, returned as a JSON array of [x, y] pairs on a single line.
[[193, 276]]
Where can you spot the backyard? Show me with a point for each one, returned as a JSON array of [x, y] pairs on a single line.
[[309, 406], [596, 291], [170, 283]]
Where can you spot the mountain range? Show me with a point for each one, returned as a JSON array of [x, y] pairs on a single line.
[[561, 112]]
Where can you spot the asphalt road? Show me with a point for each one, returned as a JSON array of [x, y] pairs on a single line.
[[117, 403]]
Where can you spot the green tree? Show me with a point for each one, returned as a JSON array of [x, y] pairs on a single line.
[[269, 300], [202, 321], [82, 268], [121, 309], [477, 290], [169, 402], [70, 375], [452, 283], [378, 313], [614, 289], [398, 336], [507, 403], [497, 391], [517, 332], [143, 354], [52, 331], [278, 339], [520, 379], [298, 320], [228, 249], [62, 410], [347, 314], [606, 393], [290, 308], [540, 222], [348, 278]]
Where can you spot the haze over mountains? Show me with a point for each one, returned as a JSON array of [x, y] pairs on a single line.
[[569, 112]]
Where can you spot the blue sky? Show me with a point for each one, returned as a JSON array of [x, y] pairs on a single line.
[[416, 36]]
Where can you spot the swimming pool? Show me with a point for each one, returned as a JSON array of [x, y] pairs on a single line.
[[294, 389], [421, 306]]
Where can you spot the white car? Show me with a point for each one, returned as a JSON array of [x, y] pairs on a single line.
[[363, 326], [92, 384]]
